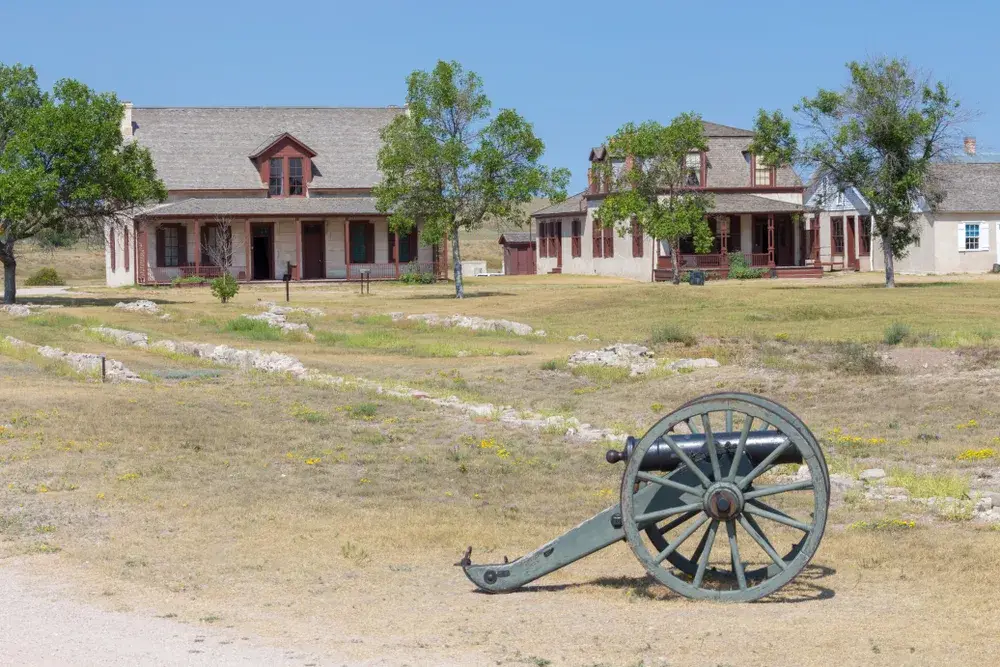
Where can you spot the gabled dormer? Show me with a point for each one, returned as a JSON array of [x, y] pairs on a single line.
[[285, 165]]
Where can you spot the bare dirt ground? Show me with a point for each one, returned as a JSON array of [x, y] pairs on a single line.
[[323, 520]]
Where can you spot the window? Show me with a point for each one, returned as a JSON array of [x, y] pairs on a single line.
[[692, 165], [407, 247], [125, 248], [637, 239], [973, 236], [276, 178], [295, 176], [837, 235], [169, 246], [763, 175], [577, 238], [864, 235], [598, 239], [111, 247], [609, 241]]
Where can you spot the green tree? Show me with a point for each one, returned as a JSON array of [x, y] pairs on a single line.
[[881, 134], [449, 165], [64, 166], [654, 187]]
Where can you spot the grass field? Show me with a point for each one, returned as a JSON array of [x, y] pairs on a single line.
[[330, 515]]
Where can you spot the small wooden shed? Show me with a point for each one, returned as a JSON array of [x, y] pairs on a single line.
[[518, 253]]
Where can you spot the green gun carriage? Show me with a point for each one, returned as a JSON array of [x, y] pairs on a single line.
[[708, 470]]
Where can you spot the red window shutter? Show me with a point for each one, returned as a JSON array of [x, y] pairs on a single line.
[[182, 249], [609, 242], [126, 253], [637, 239], [160, 247], [111, 247]]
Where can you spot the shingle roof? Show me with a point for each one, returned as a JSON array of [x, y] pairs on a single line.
[[341, 205], [517, 237], [745, 203], [572, 204], [208, 147], [973, 186]]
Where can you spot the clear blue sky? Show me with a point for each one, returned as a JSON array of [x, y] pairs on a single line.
[[577, 70]]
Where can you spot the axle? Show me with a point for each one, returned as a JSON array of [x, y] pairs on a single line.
[[661, 457]]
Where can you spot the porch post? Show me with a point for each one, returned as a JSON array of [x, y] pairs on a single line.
[[347, 248], [395, 238], [142, 255], [770, 240], [247, 246], [297, 271], [197, 247], [724, 235]]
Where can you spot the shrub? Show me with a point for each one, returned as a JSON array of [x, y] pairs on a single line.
[[858, 359], [225, 287], [187, 280], [740, 269], [895, 333], [414, 276], [670, 333], [43, 277], [554, 365]]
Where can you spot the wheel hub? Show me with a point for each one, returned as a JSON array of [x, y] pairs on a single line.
[[723, 502]]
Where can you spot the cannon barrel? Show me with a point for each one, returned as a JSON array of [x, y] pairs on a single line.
[[661, 457]]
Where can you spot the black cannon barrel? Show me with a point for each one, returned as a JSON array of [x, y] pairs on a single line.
[[661, 457]]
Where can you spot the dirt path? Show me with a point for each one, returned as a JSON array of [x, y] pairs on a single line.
[[40, 625]]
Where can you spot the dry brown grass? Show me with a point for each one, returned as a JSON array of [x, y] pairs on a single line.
[[329, 515], [82, 264]]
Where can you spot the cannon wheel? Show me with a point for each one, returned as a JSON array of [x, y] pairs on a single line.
[[718, 491], [655, 533]]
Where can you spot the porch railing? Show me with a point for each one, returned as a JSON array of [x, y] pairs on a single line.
[[391, 270], [713, 260]]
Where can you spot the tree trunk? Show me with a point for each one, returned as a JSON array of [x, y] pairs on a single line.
[[9, 271], [890, 273], [675, 262], [456, 258]]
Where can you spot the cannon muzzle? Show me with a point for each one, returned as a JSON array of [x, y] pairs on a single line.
[[661, 457]]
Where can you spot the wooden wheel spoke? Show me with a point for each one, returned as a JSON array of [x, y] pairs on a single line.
[[744, 482], [676, 522], [763, 542], [763, 491], [691, 425], [666, 481], [706, 553], [648, 517], [680, 539], [744, 434], [713, 455], [729, 421], [757, 508], [734, 552], [682, 455]]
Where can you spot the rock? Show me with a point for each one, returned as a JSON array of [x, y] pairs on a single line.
[[983, 504], [693, 364], [140, 306], [397, 316], [541, 333], [842, 483], [802, 474], [16, 310], [472, 322], [122, 337], [275, 317], [872, 475], [579, 338], [637, 358], [284, 310]]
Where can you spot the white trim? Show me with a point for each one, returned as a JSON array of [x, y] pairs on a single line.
[[984, 237]]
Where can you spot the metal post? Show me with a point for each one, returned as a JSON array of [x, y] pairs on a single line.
[[103, 367], [287, 283]]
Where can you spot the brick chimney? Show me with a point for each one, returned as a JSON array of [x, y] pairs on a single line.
[[127, 121], [970, 145]]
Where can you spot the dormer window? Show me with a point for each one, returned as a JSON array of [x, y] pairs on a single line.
[[694, 168], [276, 178], [762, 175], [295, 176]]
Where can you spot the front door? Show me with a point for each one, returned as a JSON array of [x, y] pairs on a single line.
[[784, 241], [262, 252], [313, 250], [852, 254]]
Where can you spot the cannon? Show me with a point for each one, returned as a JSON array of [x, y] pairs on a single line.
[[706, 469]]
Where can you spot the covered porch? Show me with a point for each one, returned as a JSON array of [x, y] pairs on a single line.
[[767, 233], [264, 249]]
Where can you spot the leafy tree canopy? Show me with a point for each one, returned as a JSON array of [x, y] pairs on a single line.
[[653, 188], [881, 134], [64, 164], [449, 163]]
